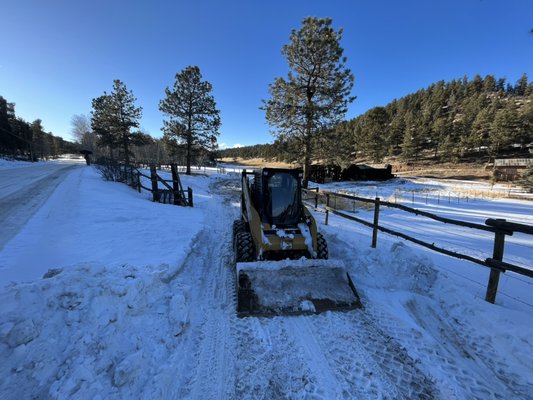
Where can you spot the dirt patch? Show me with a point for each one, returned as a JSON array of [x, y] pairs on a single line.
[[257, 162], [425, 169], [473, 172]]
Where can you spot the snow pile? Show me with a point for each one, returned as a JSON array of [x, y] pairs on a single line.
[[6, 163], [90, 331], [89, 220], [294, 288], [301, 263], [395, 268]]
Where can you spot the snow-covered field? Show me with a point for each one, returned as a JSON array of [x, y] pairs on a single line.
[[433, 196], [104, 294]]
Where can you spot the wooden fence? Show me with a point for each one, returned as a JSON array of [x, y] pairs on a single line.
[[500, 228], [195, 169], [171, 194]]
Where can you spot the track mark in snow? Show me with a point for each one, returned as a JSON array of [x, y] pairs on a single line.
[[207, 371], [20, 205], [460, 361], [463, 367], [372, 364], [271, 365], [333, 355], [359, 354]]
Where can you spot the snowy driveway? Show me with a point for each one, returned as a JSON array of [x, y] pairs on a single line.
[[150, 312], [24, 190], [405, 344]]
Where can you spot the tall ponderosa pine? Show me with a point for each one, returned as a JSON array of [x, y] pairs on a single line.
[[113, 117], [527, 177], [504, 128], [375, 131], [315, 94], [193, 119], [39, 140], [8, 142]]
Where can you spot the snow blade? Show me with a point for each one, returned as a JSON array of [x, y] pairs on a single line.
[[293, 287]]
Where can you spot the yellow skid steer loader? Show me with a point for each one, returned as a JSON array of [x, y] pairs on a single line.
[[281, 258]]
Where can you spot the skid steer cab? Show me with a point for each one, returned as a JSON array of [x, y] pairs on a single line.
[[274, 223], [280, 255]]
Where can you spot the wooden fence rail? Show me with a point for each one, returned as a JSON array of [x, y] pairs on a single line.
[[130, 175], [174, 193], [499, 227]]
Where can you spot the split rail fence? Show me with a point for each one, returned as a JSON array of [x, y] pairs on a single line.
[[500, 227], [171, 194]]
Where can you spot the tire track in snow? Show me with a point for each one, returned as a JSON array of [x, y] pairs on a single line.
[[209, 373], [35, 187], [333, 355], [272, 362], [333, 384], [461, 364], [366, 363], [471, 367], [272, 365]]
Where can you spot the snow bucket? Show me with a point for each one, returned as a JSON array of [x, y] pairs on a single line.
[[293, 287]]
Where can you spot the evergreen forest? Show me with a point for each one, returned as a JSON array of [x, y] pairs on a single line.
[[28, 140], [481, 118]]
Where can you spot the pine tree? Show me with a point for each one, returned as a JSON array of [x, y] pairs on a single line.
[[524, 134], [527, 178], [335, 146], [489, 84], [396, 131], [7, 140], [411, 138], [440, 129], [315, 94], [520, 88], [113, 117], [39, 141], [481, 128], [193, 118], [503, 128], [375, 130]]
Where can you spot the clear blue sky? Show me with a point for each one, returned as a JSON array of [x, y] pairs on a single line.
[[57, 55]]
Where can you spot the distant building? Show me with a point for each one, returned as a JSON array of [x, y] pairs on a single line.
[[355, 172], [510, 169]]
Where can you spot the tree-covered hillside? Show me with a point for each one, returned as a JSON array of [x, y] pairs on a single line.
[[19, 138], [448, 121]]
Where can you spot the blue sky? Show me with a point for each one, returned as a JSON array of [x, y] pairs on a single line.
[[57, 55]]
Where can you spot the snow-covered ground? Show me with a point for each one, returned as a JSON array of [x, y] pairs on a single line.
[[7, 163], [105, 294], [433, 197]]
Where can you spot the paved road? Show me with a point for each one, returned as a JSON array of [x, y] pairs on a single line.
[[23, 191]]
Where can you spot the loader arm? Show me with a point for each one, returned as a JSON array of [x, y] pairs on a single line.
[[250, 215]]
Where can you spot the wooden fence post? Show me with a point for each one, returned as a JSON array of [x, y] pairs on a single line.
[[327, 208], [153, 177], [189, 193], [175, 184], [139, 182], [376, 222], [494, 277], [316, 199]]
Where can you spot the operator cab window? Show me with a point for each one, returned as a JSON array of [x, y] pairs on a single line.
[[283, 190]]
